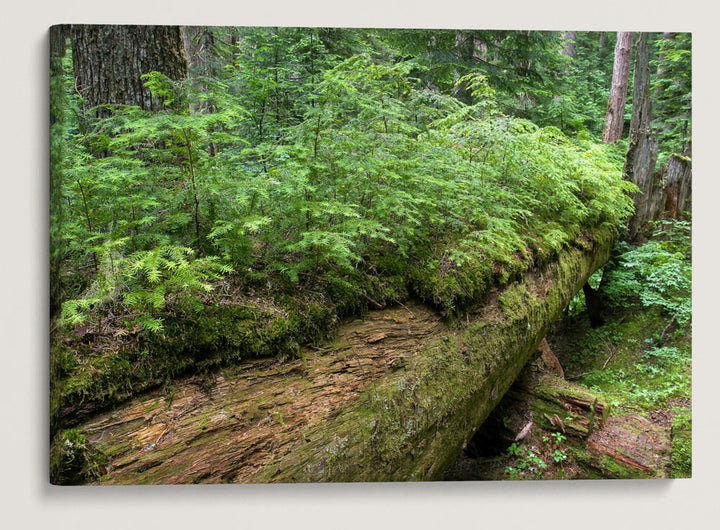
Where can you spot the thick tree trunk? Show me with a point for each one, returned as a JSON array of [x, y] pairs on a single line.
[[643, 147], [642, 101], [109, 62], [615, 114]]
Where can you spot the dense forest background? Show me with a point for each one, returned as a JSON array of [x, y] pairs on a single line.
[[221, 193]]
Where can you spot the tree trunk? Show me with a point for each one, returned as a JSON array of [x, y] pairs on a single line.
[[602, 40], [678, 185], [465, 48], [58, 36], [642, 101], [568, 48], [643, 147], [200, 46], [615, 114], [109, 61]]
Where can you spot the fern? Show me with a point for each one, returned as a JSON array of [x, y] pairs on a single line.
[[145, 279]]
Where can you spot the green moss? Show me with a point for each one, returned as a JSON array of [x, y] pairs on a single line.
[[73, 460], [682, 444], [451, 287], [554, 394], [514, 301]]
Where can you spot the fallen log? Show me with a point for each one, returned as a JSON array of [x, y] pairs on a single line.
[[572, 409], [395, 397]]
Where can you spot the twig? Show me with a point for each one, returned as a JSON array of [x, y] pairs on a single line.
[[524, 432], [163, 434], [612, 354], [373, 301], [674, 318], [578, 376], [406, 309]]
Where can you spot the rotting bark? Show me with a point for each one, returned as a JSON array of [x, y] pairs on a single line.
[[395, 397], [678, 185], [665, 189], [602, 442], [565, 407]]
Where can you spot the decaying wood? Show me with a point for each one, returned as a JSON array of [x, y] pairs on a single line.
[[574, 410], [663, 189], [524, 432], [678, 185], [394, 397], [255, 413], [550, 362], [618, 457], [632, 442]]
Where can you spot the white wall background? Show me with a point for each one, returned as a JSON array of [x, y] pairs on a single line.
[[27, 499]]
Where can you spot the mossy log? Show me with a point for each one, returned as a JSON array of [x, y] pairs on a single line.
[[565, 407], [394, 398]]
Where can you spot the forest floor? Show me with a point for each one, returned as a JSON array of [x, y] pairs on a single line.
[[647, 433]]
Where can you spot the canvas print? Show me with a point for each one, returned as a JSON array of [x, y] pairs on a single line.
[[285, 254]]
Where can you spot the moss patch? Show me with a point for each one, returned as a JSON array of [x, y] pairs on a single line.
[[682, 444], [73, 460]]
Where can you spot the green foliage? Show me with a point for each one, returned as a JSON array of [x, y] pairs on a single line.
[[672, 86], [73, 460], [558, 437], [682, 443], [139, 285], [581, 99], [526, 461], [559, 455], [298, 171], [331, 170], [656, 274]]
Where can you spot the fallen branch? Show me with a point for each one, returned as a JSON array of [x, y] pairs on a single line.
[[674, 318], [612, 353], [524, 432], [373, 301], [578, 376]]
